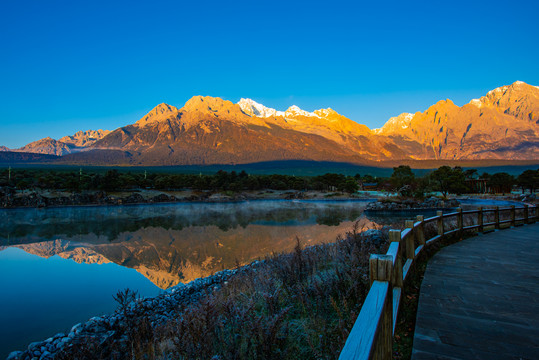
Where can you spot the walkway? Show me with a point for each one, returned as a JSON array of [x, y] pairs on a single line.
[[480, 299]]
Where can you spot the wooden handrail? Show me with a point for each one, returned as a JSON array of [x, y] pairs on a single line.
[[372, 334], [431, 219], [505, 209], [446, 215]]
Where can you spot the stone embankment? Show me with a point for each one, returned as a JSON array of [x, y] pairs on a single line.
[[432, 203]]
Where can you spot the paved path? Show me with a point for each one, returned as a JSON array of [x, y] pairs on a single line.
[[480, 299]]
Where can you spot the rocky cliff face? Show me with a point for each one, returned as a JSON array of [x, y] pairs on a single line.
[[211, 130], [84, 138], [47, 146], [66, 145], [503, 124], [328, 124]]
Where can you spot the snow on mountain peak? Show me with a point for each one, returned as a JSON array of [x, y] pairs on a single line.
[[251, 107], [400, 122], [476, 102], [296, 111], [518, 82]]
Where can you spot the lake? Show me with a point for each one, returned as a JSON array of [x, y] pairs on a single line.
[[61, 266]]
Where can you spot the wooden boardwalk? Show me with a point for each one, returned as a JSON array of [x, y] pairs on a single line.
[[480, 299]]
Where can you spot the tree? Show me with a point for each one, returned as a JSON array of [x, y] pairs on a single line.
[[442, 179], [471, 174], [529, 179], [501, 182], [23, 184], [111, 180], [458, 181], [421, 186], [368, 179], [329, 180], [402, 179], [351, 185], [448, 180]]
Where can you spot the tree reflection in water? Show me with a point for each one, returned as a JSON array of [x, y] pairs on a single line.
[[179, 242]]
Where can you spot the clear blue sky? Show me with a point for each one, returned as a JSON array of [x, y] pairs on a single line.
[[76, 65]]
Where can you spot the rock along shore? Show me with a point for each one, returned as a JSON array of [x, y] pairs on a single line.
[[432, 203], [110, 328], [11, 198]]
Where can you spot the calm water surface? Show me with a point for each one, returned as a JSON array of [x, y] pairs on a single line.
[[61, 266]]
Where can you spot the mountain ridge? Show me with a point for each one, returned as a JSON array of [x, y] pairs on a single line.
[[503, 124]]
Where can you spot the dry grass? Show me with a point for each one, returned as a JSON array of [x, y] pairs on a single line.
[[292, 306]]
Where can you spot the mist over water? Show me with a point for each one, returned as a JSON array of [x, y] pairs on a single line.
[[61, 266], [175, 243], [29, 225]]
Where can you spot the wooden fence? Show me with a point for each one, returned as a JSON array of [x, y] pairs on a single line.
[[372, 334]]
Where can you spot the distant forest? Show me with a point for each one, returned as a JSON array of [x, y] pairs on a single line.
[[444, 179]]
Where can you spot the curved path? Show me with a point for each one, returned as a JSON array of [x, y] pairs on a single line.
[[480, 299]]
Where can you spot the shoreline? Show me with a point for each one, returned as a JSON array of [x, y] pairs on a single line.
[[112, 330], [11, 199], [160, 306], [39, 199]]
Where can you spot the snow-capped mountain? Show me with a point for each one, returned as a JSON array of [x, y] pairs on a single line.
[[503, 124], [252, 108]]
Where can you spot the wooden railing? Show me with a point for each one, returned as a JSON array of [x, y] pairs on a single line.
[[372, 334]]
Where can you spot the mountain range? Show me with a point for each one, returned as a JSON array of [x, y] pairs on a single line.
[[503, 124]]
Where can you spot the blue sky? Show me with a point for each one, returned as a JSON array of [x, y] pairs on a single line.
[[71, 65]]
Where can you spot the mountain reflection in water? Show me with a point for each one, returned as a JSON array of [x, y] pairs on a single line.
[[176, 243]]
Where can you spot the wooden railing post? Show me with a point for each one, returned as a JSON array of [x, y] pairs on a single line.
[[480, 219], [420, 235], [497, 218], [513, 215], [460, 223], [440, 223], [381, 269], [410, 240], [395, 236], [526, 214]]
